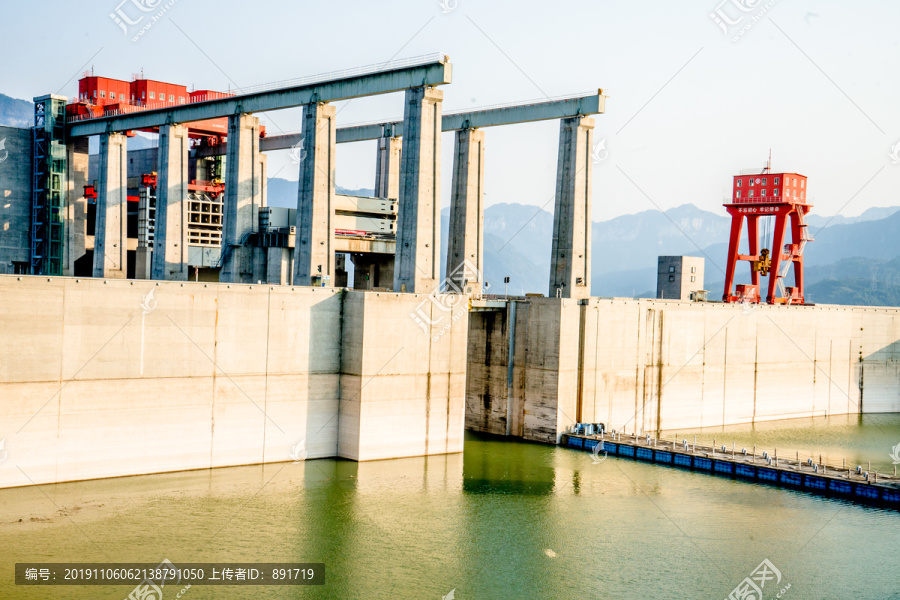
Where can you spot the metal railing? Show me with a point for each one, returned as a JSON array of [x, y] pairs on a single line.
[[809, 462]]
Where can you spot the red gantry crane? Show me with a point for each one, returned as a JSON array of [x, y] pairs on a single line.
[[767, 194]]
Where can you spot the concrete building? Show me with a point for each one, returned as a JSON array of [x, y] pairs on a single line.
[[15, 199], [678, 277]]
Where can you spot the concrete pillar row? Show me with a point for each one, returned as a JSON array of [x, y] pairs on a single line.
[[570, 258], [387, 167], [465, 248], [170, 245], [314, 246], [243, 198], [110, 230], [418, 263]]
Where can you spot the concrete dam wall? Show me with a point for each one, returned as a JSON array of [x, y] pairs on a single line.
[[658, 365], [102, 378]]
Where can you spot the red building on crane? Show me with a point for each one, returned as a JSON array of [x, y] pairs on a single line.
[[98, 96], [767, 194]]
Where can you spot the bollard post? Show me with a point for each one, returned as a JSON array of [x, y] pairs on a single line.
[[754, 452]]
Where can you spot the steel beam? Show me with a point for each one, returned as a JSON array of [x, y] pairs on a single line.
[[491, 117]]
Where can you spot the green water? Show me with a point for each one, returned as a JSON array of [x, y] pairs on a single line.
[[501, 520]]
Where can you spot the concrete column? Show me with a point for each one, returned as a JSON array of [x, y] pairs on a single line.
[[242, 198], [110, 239], [465, 248], [314, 250], [387, 169], [143, 252], [76, 204], [278, 266], [570, 260], [418, 263], [170, 244]]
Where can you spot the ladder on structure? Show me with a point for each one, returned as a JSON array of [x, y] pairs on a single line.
[[786, 264]]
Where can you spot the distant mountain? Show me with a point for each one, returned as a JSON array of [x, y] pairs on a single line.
[[852, 261], [872, 214], [15, 112], [860, 281]]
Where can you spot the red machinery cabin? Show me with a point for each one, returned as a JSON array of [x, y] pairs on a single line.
[[782, 195], [101, 91], [155, 94]]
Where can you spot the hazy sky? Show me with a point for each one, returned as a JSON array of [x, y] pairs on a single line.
[[688, 106]]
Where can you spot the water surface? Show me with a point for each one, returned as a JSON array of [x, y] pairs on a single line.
[[501, 520]]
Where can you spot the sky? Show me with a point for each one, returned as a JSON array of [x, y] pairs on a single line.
[[690, 102]]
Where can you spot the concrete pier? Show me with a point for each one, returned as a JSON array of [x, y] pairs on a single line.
[[418, 263], [570, 259], [314, 249], [76, 203], [465, 246], [243, 198], [110, 231], [170, 245], [387, 165]]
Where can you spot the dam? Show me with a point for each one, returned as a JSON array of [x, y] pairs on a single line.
[[159, 316]]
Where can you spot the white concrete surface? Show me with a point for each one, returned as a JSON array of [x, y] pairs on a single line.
[[653, 365], [99, 378]]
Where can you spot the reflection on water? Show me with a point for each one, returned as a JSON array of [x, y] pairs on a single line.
[[502, 520]]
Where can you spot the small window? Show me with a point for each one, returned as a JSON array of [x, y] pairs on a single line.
[[95, 93], [103, 93], [171, 98], [144, 95], [152, 96], [762, 192], [180, 99], [751, 181], [693, 269], [671, 269], [803, 195], [671, 278], [775, 193], [776, 180], [738, 194], [803, 183], [764, 181], [693, 279], [750, 194], [740, 182]]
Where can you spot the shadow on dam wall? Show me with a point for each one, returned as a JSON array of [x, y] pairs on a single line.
[[101, 378], [649, 366], [879, 380]]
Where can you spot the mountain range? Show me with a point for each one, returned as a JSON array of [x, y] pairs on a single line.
[[853, 260]]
